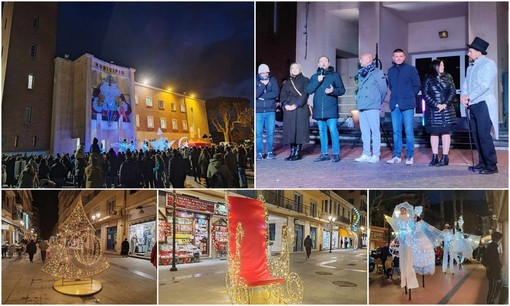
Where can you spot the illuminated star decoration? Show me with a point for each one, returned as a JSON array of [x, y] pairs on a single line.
[[77, 253]]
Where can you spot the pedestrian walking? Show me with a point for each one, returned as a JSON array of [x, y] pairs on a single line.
[[31, 250], [43, 246], [124, 248], [266, 93], [308, 246], [492, 263]]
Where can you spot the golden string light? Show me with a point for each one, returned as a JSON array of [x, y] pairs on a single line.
[[78, 252]]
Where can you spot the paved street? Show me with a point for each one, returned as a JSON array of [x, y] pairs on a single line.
[[339, 277], [466, 286], [127, 281], [348, 173]]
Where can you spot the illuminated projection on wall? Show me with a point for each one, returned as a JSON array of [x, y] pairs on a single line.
[[110, 107]]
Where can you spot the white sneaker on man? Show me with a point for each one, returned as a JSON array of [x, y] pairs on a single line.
[[362, 158], [409, 161], [394, 160], [374, 159]]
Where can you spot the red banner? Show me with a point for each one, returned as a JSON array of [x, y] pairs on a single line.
[[190, 203]]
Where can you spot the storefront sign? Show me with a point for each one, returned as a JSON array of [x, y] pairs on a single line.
[[220, 209], [190, 203]]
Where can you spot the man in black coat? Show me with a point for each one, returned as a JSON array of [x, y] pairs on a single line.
[[308, 246], [129, 172], [124, 248], [385, 251], [177, 170], [492, 263]]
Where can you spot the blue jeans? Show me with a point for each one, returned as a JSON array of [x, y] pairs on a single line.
[[323, 135], [267, 121], [397, 117], [369, 125], [242, 176]]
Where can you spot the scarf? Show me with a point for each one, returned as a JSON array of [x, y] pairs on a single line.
[[363, 71]]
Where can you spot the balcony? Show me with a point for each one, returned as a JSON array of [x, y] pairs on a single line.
[[279, 200]]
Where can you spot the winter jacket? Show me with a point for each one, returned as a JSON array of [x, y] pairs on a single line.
[[435, 91], [296, 123], [404, 83], [266, 95], [491, 261], [371, 90], [227, 176], [94, 177], [129, 175], [325, 106], [177, 171]]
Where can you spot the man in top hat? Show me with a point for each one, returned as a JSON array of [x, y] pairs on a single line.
[[478, 97], [267, 92]]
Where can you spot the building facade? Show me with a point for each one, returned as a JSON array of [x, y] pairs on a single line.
[[29, 34], [117, 215], [17, 216]]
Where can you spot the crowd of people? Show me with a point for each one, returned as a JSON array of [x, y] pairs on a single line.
[[18, 249], [216, 167], [403, 80]]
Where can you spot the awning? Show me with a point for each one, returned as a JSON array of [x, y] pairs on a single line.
[[345, 233], [198, 143]]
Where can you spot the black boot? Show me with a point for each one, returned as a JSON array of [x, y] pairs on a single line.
[[297, 152], [433, 162], [292, 152], [444, 161]]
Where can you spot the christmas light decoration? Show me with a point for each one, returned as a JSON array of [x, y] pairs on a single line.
[[77, 254]]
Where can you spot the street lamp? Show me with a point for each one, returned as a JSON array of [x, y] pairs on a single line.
[[331, 221]]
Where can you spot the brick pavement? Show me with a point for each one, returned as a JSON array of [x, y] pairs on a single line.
[[350, 174]]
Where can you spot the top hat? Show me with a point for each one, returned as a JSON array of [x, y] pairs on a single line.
[[480, 45]]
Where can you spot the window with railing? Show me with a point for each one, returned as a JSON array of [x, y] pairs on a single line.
[[110, 206], [298, 202]]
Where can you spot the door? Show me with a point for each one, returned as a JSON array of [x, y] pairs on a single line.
[[111, 238], [298, 234], [455, 62]]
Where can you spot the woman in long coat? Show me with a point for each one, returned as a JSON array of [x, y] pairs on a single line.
[[296, 121], [439, 94]]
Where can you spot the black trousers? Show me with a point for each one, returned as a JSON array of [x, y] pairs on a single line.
[[480, 124], [494, 289], [43, 255]]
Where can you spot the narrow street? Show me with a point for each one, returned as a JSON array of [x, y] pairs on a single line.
[[466, 286], [328, 278], [127, 281]]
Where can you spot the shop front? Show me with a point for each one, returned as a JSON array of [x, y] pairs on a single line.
[[327, 240], [141, 238], [194, 223]]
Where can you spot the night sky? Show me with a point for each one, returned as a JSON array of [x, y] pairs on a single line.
[[47, 201], [204, 49]]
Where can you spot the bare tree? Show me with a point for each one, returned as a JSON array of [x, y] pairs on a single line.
[[232, 114]]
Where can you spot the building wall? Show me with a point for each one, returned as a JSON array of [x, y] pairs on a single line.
[[32, 136], [424, 37]]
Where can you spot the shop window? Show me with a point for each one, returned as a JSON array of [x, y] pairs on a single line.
[[150, 122], [163, 123], [148, 101]]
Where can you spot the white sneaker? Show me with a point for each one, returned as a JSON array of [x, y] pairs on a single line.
[[362, 158], [374, 159], [409, 161], [394, 160]]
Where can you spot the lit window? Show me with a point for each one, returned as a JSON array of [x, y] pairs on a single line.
[[172, 106], [137, 121], [174, 124], [184, 125], [161, 104], [136, 99], [33, 51], [148, 101], [31, 81], [183, 108], [150, 122], [163, 123]]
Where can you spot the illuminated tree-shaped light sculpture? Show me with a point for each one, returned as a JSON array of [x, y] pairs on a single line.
[[77, 255]]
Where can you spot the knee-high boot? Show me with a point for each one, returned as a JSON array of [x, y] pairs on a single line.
[[292, 152]]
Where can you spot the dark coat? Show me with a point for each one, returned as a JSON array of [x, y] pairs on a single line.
[[94, 177], [129, 174], [31, 247], [308, 243], [435, 91], [325, 106], [177, 171], [296, 123], [124, 247], [228, 177], [492, 261], [266, 95], [404, 83]]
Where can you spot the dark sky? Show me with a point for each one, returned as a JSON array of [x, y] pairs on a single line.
[[201, 48], [47, 202]]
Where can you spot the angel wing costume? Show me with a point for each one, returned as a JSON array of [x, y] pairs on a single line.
[[461, 248], [403, 224], [425, 239]]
